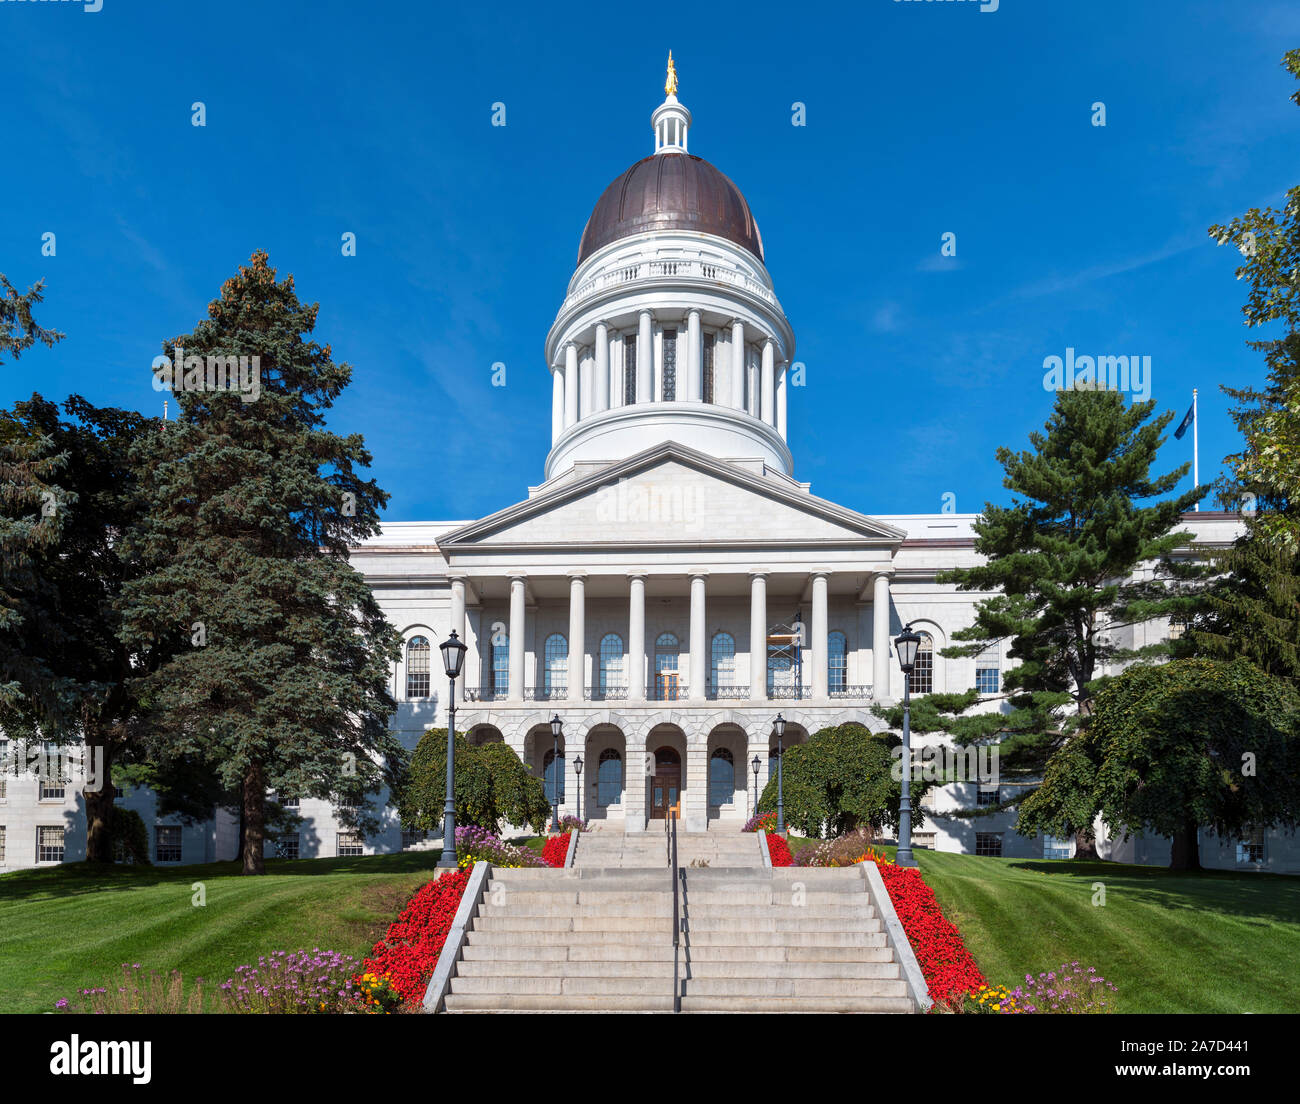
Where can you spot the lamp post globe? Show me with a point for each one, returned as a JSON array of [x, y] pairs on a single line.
[[453, 657], [906, 645]]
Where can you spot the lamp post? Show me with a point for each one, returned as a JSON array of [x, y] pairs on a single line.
[[557, 727], [453, 655], [755, 763], [577, 768], [778, 730], [907, 642]]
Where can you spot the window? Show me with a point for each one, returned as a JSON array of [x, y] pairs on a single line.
[[118, 791], [417, 667], [51, 790], [1177, 626], [412, 836], [2, 845], [553, 773], [670, 365], [988, 843], [709, 341], [4, 768], [988, 671], [666, 659], [629, 370], [987, 795], [555, 675], [349, 845], [286, 847], [609, 778], [612, 675], [922, 676], [500, 664], [49, 843], [837, 662], [1056, 848], [722, 777], [167, 843], [1250, 849], [722, 661], [290, 801]]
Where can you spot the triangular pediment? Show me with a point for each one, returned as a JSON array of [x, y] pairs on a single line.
[[672, 495]]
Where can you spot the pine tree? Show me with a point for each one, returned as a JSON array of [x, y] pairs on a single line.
[[252, 506]]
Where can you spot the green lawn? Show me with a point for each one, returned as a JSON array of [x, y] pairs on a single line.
[[67, 928]]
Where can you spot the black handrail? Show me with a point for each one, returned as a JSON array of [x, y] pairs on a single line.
[[677, 925]]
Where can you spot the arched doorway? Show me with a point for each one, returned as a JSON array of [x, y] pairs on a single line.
[[666, 784]]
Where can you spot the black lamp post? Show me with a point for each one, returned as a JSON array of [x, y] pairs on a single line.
[[778, 730], [577, 769], [755, 763], [906, 643], [453, 655], [557, 727]]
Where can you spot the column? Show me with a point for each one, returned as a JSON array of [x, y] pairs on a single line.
[[781, 400], [636, 638], [458, 627], [698, 687], [573, 744], [738, 364], [645, 356], [570, 384], [767, 410], [820, 643], [694, 358], [557, 403], [880, 637], [758, 636], [752, 405], [602, 368], [586, 389], [516, 690], [695, 788], [577, 633], [634, 785]]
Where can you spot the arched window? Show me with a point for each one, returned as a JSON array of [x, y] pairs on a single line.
[[609, 778], [500, 672], [667, 654], [722, 777], [555, 674], [612, 673], [837, 661], [553, 773], [922, 677], [722, 661], [417, 667]]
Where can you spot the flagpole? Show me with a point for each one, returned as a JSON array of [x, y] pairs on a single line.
[[1196, 451]]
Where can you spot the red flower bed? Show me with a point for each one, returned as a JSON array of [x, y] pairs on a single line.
[[779, 850], [410, 950], [556, 849], [950, 971]]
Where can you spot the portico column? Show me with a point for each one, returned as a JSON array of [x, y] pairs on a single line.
[[458, 624], [645, 355], [698, 688], [634, 785], [758, 636], [557, 403], [577, 632], [768, 410], [820, 643], [636, 638], [738, 365], [880, 637], [570, 384], [516, 689], [694, 358], [781, 400], [695, 789], [602, 368]]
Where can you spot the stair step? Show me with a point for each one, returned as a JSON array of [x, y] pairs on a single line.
[[787, 1005], [794, 987], [523, 1002]]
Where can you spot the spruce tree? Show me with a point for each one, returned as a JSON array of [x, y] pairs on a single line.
[[252, 505]]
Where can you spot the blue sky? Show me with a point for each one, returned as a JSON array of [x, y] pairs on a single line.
[[922, 119]]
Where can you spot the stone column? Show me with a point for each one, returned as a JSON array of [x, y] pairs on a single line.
[[570, 384], [781, 400], [516, 690], [738, 365], [699, 670], [694, 358], [602, 368], [636, 638], [557, 403], [820, 642], [767, 410], [756, 745], [586, 388], [634, 785], [573, 744], [577, 633], [758, 636], [753, 406], [645, 359], [880, 637], [458, 627], [695, 794]]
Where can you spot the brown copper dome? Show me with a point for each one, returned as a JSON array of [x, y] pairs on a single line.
[[671, 191]]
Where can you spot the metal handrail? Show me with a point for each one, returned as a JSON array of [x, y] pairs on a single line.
[[677, 924]]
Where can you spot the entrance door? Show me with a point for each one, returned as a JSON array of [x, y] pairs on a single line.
[[665, 785]]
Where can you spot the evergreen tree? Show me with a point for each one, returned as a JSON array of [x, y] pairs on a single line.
[[251, 508]]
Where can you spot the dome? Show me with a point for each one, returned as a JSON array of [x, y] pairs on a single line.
[[671, 191]]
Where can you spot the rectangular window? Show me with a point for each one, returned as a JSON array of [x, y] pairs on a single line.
[[290, 801], [349, 845], [52, 790], [500, 665], [2, 845], [988, 843], [670, 365], [1250, 849], [4, 768], [167, 842], [709, 341], [987, 795], [629, 370], [922, 676], [1056, 848], [1177, 626], [988, 671], [49, 843], [286, 847]]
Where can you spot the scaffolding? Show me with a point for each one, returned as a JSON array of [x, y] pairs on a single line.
[[785, 656]]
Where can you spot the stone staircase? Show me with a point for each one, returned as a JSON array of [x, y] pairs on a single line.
[[598, 938]]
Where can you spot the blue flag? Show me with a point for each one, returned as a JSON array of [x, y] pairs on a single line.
[[1187, 421]]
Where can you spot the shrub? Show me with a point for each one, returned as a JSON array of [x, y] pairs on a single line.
[[556, 850], [409, 951], [765, 821], [571, 824], [847, 850], [1068, 988], [149, 994], [293, 982], [779, 850], [128, 837], [474, 844]]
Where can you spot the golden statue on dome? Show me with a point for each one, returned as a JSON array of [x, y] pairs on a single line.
[[670, 85]]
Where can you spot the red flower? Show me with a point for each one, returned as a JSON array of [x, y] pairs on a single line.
[[779, 850], [556, 850], [409, 951]]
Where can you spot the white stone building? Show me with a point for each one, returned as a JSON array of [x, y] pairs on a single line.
[[670, 585]]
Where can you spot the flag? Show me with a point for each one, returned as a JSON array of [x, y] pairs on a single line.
[[1187, 421]]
